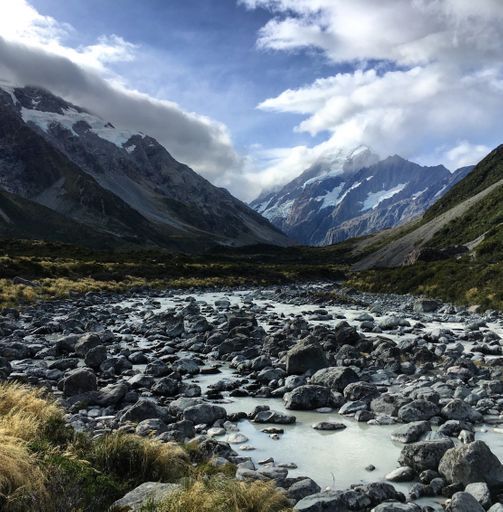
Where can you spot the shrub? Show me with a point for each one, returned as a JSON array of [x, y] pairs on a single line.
[[136, 459], [222, 494]]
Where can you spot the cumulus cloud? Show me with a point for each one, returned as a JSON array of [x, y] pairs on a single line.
[[33, 52], [427, 79]]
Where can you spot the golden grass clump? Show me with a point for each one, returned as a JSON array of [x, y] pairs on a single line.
[[137, 459], [19, 473], [222, 494], [25, 412]]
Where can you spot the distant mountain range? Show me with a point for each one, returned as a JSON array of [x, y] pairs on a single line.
[[354, 194], [67, 175]]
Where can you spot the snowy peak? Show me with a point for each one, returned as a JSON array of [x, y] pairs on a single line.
[[354, 195], [72, 161]]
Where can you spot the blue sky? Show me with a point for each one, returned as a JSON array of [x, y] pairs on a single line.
[[202, 54], [250, 93]]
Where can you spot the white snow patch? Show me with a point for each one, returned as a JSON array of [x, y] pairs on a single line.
[[279, 211], [375, 198], [331, 198], [9, 89], [420, 193], [130, 148], [440, 192], [70, 117]]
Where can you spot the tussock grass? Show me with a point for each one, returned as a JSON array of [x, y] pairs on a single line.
[[19, 473], [137, 459], [27, 414], [222, 494]]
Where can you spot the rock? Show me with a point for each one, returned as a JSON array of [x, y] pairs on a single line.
[[418, 410], [473, 462], [497, 507], [95, 356], [480, 491], [329, 425], [388, 403], [148, 492], [336, 378], [166, 386], [360, 391], [307, 398], [274, 417], [80, 380], [303, 488], [305, 356], [112, 394], [424, 454], [401, 474], [425, 306], [397, 507], [411, 432], [458, 409], [143, 409], [86, 342], [204, 414], [464, 502]]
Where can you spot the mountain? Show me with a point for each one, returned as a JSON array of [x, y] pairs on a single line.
[[466, 220], [354, 195], [123, 186]]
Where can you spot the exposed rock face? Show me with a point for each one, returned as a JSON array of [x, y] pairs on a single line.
[[473, 462], [66, 167], [354, 194]]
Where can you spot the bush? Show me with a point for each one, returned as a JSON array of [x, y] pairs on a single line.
[[136, 460], [222, 494]]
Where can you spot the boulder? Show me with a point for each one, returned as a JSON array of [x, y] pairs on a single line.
[[205, 414], [360, 391], [148, 492], [464, 502], [424, 454], [307, 398], [425, 306], [480, 491], [473, 462], [304, 357], [418, 410], [143, 409], [303, 488], [80, 380], [411, 432], [458, 409], [396, 506], [86, 342], [336, 377], [95, 356]]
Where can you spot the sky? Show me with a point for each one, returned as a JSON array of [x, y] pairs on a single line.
[[252, 92]]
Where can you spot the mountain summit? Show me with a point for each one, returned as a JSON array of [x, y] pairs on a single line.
[[353, 195], [123, 185]]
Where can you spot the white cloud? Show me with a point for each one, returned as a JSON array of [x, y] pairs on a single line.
[[33, 52], [428, 74]]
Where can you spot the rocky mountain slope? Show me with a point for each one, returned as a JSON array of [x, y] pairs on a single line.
[[468, 219], [354, 194], [122, 185]]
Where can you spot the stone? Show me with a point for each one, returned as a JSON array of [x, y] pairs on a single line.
[[464, 502], [397, 507], [458, 409], [411, 432], [303, 357], [95, 356], [329, 425], [303, 488], [401, 474], [148, 492], [424, 454], [143, 409], [360, 391], [274, 417], [307, 398], [80, 380], [480, 491], [473, 462], [336, 377], [86, 342], [425, 306], [205, 414], [418, 410]]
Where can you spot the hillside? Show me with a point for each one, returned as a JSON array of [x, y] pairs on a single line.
[[121, 183], [455, 251]]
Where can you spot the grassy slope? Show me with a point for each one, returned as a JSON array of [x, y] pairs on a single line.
[[473, 279]]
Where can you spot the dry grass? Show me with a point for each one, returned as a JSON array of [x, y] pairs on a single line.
[[221, 494], [25, 413], [136, 459]]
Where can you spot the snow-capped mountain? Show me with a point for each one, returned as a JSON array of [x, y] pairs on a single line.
[[122, 184], [354, 194]]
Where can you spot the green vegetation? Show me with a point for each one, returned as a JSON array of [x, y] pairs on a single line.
[[59, 270], [463, 281], [47, 467], [222, 494]]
